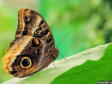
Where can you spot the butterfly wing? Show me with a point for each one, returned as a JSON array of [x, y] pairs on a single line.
[[33, 48], [31, 23], [49, 54]]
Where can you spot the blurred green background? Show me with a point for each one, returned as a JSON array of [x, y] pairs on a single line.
[[77, 25]]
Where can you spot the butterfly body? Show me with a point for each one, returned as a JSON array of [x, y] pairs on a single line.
[[33, 48]]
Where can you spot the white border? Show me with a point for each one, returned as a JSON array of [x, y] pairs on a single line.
[[55, 84]]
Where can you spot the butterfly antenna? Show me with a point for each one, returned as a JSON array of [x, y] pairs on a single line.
[[54, 65], [61, 42], [63, 57]]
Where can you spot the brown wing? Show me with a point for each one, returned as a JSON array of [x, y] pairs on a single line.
[[39, 53], [31, 23], [33, 44]]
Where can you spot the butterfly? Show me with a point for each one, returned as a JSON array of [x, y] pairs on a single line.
[[33, 48]]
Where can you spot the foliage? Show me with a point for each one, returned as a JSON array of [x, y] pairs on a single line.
[[90, 66], [78, 24]]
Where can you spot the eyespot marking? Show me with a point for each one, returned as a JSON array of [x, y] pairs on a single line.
[[27, 19], [35, 42], [26, 62]]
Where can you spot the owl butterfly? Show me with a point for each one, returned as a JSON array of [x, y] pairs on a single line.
[[33, 48]]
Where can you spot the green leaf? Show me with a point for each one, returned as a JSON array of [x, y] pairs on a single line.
[[83, 67]]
